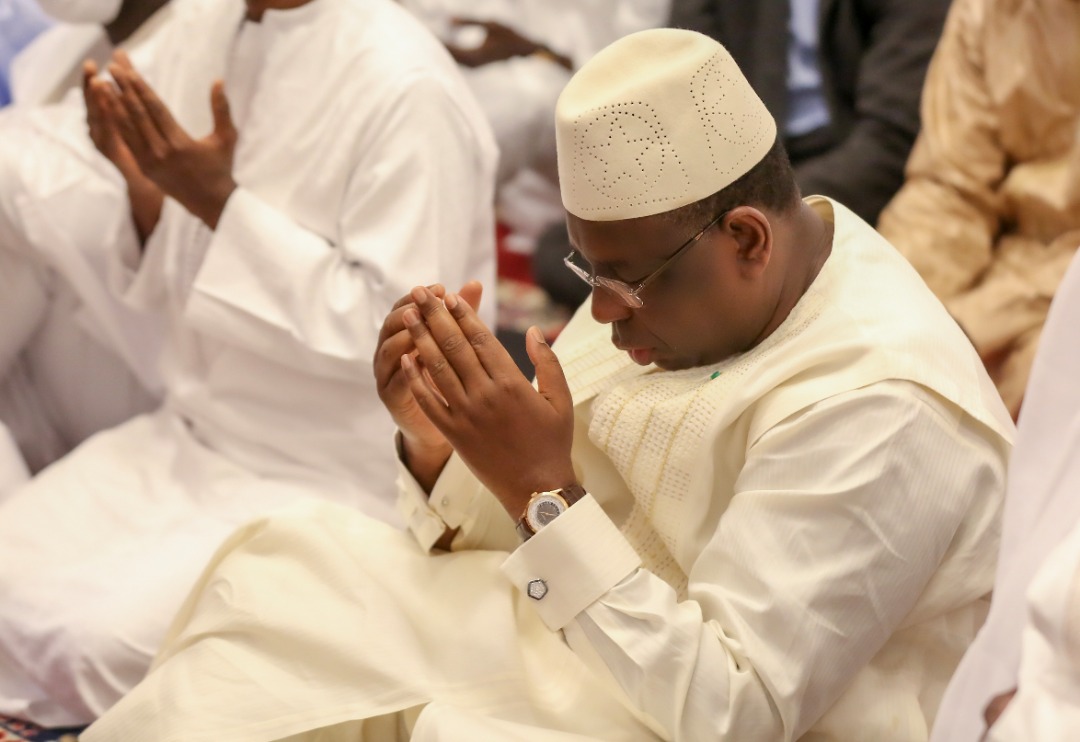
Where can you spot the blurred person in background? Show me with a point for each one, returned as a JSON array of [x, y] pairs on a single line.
[[275, 183], [1025, 661], [51, 66], [20, 23], [842, 77], [990, 212]]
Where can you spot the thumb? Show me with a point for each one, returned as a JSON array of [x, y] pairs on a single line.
[[471, 293], [219, 104], [550, 380]]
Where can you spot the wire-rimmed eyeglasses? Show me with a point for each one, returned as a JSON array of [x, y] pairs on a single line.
[[624, 292]]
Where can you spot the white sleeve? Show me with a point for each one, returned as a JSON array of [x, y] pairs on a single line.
[[1046, 706], [459, 501], [409, 216], [841, 515]]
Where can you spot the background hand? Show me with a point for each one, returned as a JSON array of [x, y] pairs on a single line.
[[195, 172], [515, 438], [426, 448], [500, 43]]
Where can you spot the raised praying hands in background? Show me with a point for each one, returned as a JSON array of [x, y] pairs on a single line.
[[500, 43], [135, 130]]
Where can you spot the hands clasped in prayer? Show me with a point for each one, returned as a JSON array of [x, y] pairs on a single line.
[[135, 130], [500, 44], [448, 383]]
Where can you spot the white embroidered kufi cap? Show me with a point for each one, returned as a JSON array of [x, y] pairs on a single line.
[[657, 120], [82, 11]]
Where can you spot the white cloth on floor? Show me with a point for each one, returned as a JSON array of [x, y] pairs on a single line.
[[348, 197], [1042, 508]]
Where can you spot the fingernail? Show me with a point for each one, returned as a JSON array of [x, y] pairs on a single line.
[[451, 301], [419, 293], [407, 364], [538, 336], [411, 318]]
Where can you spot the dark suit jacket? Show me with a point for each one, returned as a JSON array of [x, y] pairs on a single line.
[[873, 56]]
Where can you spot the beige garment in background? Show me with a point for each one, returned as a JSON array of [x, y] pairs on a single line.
[[990, 212]]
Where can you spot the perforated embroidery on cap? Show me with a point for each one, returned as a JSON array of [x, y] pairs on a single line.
[[721, 100], [623, 152]]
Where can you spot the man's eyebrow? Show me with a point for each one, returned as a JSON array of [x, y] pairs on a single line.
[[612, 264]]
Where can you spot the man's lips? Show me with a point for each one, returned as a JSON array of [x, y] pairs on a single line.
[[639, 354]]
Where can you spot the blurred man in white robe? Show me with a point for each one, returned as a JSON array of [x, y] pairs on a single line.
[[74, 360], [50, 66], [1030, 644], [287, 168], [517, 55]]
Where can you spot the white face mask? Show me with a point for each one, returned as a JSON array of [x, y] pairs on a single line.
[[82, 11]]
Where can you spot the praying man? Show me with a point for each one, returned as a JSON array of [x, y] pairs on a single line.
[[753, 495]]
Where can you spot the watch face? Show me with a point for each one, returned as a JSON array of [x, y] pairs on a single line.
[[543, 509]]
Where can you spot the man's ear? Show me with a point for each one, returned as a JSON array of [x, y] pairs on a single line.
[[753, 236]]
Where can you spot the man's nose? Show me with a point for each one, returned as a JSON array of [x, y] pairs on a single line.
[[606, 308]]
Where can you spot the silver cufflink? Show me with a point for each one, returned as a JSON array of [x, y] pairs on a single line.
[[536, 589]]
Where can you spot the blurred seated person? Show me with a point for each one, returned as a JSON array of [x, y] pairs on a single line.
[[87, 362], [50, 67], [1025, 661], [842, 77], [267, 234], [20, 23], [990, 212], [517, 55]]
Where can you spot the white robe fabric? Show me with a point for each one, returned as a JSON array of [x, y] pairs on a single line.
[[82, 11], [349, 195], [1042, 509], [794, 543], [51, 65], [73, 358]]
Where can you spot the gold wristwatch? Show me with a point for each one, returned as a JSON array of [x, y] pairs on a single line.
[[545, 507]]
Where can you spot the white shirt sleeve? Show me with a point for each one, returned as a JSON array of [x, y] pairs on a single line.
[[409, 215], [1046, 706], [841, 516], [458, 501]]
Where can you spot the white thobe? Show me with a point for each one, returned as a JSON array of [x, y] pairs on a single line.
[[795, 543], [364, 168], [51, 65], [1042, 508], [63, 221]]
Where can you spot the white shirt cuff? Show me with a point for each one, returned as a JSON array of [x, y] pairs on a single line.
[[428, 517], [568, 565]]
